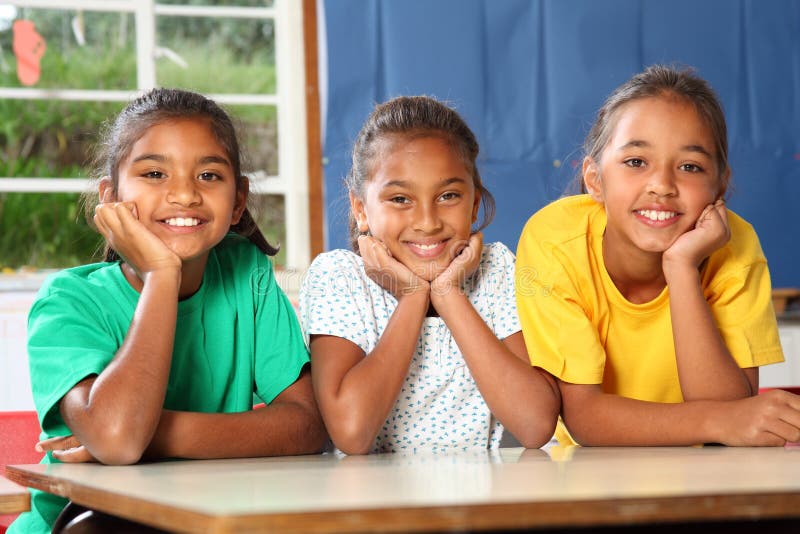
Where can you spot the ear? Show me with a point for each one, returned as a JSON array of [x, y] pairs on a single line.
[[359, 213], [591, 179], [105, 190], [240, 202], [476, 205]]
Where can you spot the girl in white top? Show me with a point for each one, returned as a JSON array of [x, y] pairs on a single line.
[[415, 340]]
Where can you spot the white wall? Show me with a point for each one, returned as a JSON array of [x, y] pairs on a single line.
[[15, 389], [788, 372]]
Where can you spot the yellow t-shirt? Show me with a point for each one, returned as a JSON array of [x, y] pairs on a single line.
[[581, 329]]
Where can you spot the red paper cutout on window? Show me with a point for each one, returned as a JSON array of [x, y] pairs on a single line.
[[29, 48]]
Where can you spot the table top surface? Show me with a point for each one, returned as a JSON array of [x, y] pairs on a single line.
[[13, 497], [503, 489]]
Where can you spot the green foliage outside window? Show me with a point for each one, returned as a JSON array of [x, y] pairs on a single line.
[[51, 138]]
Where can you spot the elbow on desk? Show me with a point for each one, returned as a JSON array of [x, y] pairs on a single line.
[[116, 448], [535, 437], [352, 440], [110, 456], [119, 458]]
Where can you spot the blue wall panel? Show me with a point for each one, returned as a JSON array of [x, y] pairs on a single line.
[[529, 75]]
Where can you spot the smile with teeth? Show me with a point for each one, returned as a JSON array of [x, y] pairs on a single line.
[[656, 215], [429, 246], [182, 221], [427, 250]]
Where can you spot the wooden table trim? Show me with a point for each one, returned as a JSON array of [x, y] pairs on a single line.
[[14, 498], [619, 511], [140, 510], [598, 513]]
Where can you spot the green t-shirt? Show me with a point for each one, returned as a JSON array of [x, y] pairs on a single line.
[[238, 335]]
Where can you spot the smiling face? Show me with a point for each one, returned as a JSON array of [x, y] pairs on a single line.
[[420, 202], [655, 176], [183, 185]]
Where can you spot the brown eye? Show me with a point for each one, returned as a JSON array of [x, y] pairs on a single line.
[[691, 167], [209, 176], [634, 162]]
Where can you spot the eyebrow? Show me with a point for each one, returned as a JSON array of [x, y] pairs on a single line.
[[404, 183], [205, 160], [215, 159], [637, 143], [154, 157]]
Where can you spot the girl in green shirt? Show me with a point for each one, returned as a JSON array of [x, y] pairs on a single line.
[[157, 352]]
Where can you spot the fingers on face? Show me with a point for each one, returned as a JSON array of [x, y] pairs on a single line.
[[372, 248], [720, 208], [111, 216], [365, 245], [472, 249]]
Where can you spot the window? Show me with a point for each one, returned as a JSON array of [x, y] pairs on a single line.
[[246, 54]]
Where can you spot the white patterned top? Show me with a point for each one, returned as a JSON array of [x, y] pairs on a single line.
[[439, 407]]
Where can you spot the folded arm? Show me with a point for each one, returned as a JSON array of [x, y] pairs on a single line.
[[597, 418], [289, 425], [115, 414]]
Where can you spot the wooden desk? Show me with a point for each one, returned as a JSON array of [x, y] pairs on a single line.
[[512, 488], [13, 498]]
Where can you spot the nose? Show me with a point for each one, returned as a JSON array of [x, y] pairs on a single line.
[[426, 218], [182, 190], [661, 183]]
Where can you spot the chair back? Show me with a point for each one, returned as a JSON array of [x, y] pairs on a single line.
[[19, 433]]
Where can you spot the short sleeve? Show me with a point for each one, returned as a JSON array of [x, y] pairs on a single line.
[[500, 310], [280, 350], [556, 324], [67, 341], [334, 299], [743, 310]]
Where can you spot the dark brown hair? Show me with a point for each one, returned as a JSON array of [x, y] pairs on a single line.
[[155, 107], [406, 118]]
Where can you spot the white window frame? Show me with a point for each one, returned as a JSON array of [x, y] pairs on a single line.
[[292, 179]]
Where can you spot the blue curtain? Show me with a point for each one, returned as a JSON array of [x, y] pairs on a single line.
[[529, 75]]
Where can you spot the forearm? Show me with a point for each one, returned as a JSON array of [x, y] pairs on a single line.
[[611, 420], [116, 417], [358, 407], [523, 398], [706, 368], [275, 430]]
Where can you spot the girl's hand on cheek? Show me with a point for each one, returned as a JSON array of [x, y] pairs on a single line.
[[710, 233], [386, 271], [461, 268], [139, 247]]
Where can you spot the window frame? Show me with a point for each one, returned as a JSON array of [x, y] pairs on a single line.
[[295, 100]]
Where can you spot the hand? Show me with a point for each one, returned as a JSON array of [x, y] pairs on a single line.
[[710, 233], [772, 418], [463, 265], [139, 247], [66, 449], [386, 271]]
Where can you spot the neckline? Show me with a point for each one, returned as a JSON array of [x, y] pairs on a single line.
[[598, 231]]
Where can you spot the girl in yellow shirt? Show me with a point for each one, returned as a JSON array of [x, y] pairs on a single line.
[[646, 297]]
